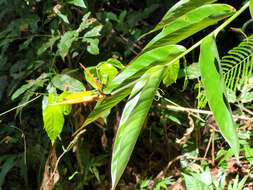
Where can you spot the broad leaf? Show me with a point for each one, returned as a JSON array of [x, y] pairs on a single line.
[[66, 83], [179, 9], [251, 7], [132, 119], [145, 61], [53, 117], [65, 43], [190, 23], [215, 91]]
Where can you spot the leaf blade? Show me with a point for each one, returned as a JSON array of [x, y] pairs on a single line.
[[178, 10], [153, 57], [190, 23], [215, 91], [132, 119]]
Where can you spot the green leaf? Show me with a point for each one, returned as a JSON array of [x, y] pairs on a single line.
[[251, 7], [132, 119], [94, 32], [79, 3], [21, 90], [215, 91], [179, 9], [105, 105], [93, 45], [6, 167], [66, 83], [65, 43], [146, 60], [171, 73], [53, 117], [190, 23], [63, 17], [48, 44]]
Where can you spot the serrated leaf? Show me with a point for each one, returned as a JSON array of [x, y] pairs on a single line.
[[65, 43], [79, 3], [53, 117], [132, 119], [190, 23], [66, 83], [179, 9], [171, 73], [215, 91], [146, 60]]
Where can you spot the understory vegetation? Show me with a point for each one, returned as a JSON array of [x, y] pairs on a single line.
[[124, 94]]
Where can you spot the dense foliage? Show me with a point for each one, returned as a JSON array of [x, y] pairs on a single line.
[[116, 94]]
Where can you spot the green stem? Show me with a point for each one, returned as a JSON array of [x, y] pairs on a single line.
[[214, 33]]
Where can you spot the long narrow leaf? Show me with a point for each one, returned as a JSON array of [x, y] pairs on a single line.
[[190, 23], [215, 91], [145, 61], [132, 119], [179, 9]]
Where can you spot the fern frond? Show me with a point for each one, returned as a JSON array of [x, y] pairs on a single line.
[[237, 65]]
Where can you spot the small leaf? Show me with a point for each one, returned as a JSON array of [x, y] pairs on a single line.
[[93, 45], [65, 43], [63, 17], [66, 83], [215, 91], [171, 73], [53, 117], [94, 32], [190, 23], [132, 119], [79, 3], [48, 44], [146, 60]]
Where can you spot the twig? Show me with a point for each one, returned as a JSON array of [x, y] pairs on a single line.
[[205, 112], [19, 106]]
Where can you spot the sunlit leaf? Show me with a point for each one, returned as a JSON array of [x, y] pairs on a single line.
[[53, 117], [146, 60], [171, 73], [132, 119], [190, 23], [179, 9], [215, 91], [251, 7]]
